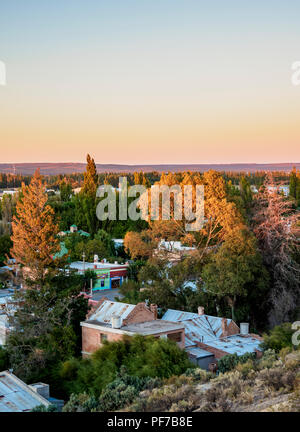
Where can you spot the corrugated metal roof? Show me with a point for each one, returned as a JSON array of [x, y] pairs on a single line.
[[208, 329], [198, 352], [198, 327], [236, 344], [109, 308], [16, 396]]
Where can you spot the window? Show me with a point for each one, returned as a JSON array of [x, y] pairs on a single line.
[[103, 337], [176, 337], [102, 283]]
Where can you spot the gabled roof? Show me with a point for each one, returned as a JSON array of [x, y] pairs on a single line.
[[208, 330], [109, 308], [199, 328], [16, 396]]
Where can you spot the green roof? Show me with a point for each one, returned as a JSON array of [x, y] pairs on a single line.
[[63, 251]]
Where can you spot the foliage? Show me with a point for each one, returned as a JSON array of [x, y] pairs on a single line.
[[46, 328], [235, 270], [5, 246], [247, 387], [143, 357], [65, 191], [279, 337], [43, 408], [274, 223], [130, 291], [4, 360], [34, 231], [86, 201], [90, 248], [230, 361]]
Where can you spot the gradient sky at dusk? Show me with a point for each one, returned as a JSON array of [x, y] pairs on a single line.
[[156, 81]]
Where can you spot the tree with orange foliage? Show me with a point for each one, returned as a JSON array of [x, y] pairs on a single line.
[[138, 245], [34, 231], [221, 218]]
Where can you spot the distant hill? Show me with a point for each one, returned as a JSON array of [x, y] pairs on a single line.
[[68, 168]]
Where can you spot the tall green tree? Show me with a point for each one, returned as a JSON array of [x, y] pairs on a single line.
[[86, 201], [235, 270], [46, 327]]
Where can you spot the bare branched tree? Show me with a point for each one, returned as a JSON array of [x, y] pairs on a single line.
[[277, 230]]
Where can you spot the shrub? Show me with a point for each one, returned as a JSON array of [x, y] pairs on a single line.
[[123, 390], [4, 361], [81, 403], [279, 337], [229, 362], [43, 408], [143, 357], [268, 359], [245, 368], [277, 378], [199, 375]]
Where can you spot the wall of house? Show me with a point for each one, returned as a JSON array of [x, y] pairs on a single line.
[[139, 314], [177, 336], [203, 362], [91, 339]]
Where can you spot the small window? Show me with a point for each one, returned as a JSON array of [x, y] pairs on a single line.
[[102, 283], [103, 337]]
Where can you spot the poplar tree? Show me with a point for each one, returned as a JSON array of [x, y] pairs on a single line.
[[90, 177], [34, 232], [86, 202]]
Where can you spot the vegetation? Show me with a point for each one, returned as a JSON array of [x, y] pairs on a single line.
[[141, 357], [244, 263], [34, 231], [268, 384]]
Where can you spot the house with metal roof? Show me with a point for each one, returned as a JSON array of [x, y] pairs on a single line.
[[16, 396], [108, 275], [208, 338], [110, 321]]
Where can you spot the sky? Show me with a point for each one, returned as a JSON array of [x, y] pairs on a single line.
[[146, 82]]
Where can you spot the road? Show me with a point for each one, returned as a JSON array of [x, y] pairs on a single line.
[[110, 294]]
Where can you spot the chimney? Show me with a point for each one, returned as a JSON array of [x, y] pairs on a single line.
[[200, 310], [224, 327], [116, 321], [41, 388], [153, 308], [244, 328]]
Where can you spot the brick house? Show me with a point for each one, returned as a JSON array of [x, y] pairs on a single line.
[[112, 320], [209, 338]]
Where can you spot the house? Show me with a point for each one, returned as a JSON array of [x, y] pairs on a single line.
[[284, 189], [63, 249], [112, 320], [10, 192], [74, 229], [174, 250], [108, 275], [209, 338], [16, 396], [7, 307]]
